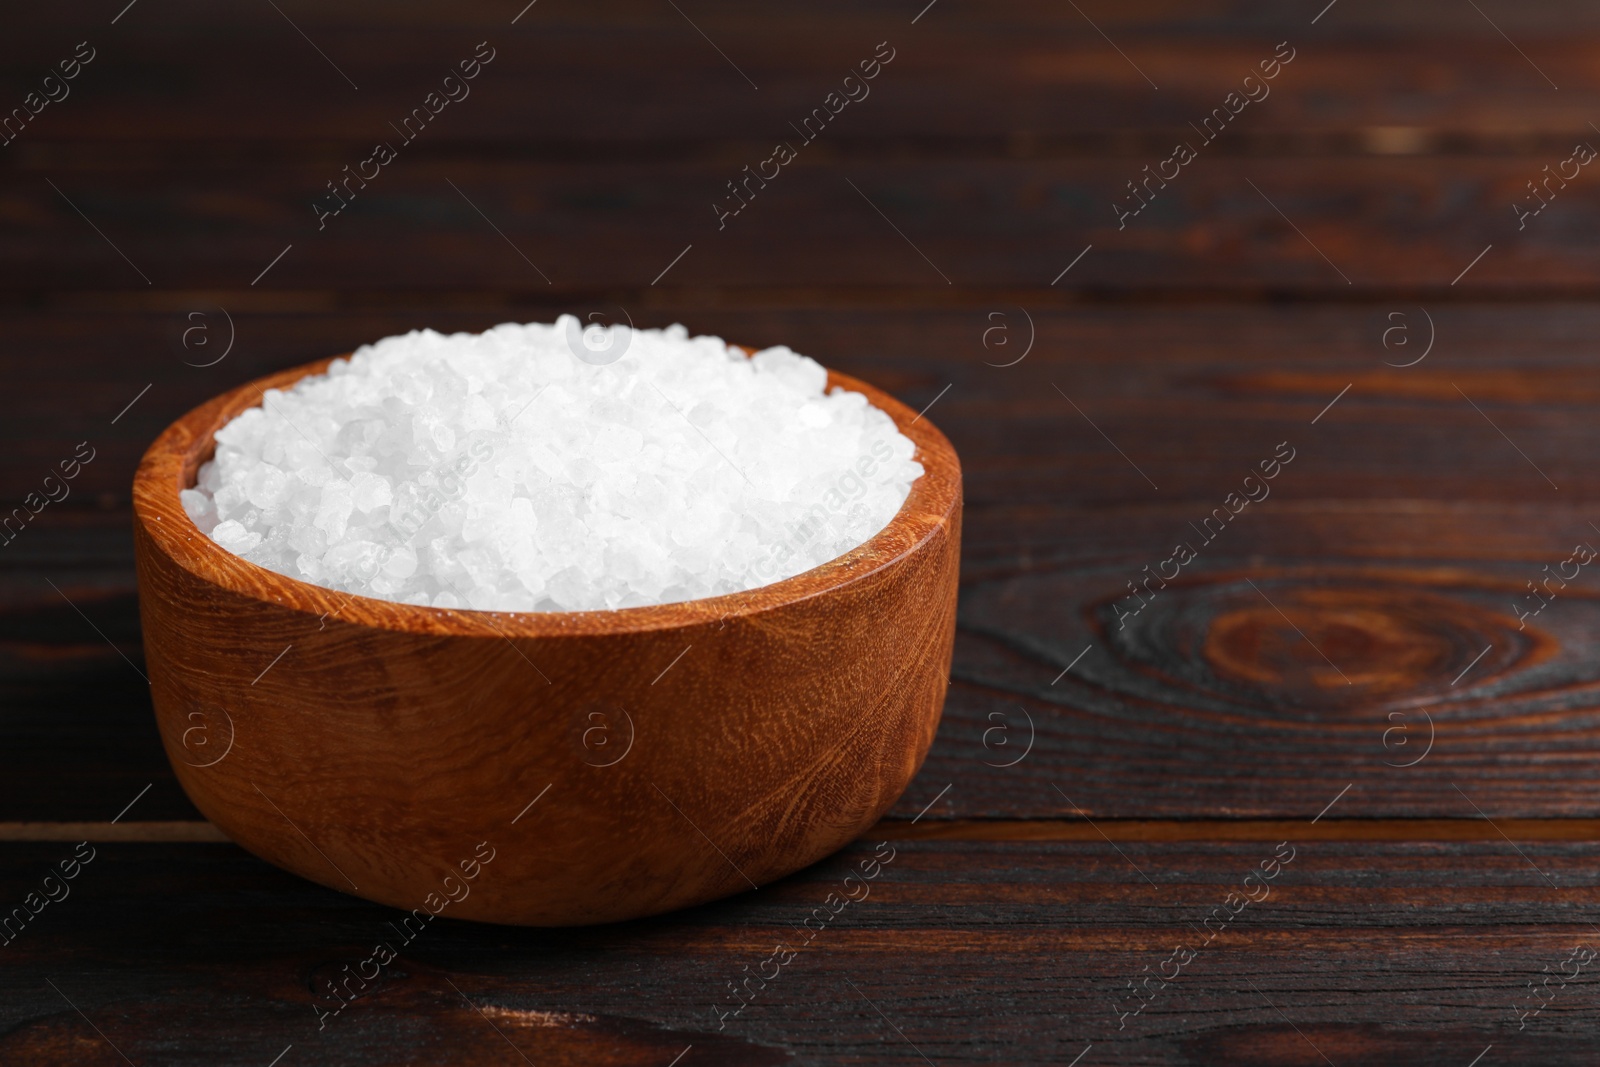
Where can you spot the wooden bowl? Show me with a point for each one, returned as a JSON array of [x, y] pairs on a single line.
[[549, 768]]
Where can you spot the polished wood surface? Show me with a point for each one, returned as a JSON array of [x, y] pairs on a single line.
[[1427, 903], [1002, 952]]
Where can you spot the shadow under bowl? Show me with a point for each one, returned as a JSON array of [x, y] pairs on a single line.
[[544, 768]]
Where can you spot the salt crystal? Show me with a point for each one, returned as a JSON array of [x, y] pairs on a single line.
[[234, 537], [369, 491], [197, 505], [508, 471]]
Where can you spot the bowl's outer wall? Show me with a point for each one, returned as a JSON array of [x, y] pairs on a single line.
[[397, 762]]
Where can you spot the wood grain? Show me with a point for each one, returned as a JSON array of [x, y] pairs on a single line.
[[1309, 226], [630, 72], [974, 952]]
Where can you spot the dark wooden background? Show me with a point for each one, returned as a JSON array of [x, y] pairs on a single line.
[[1349, 645]]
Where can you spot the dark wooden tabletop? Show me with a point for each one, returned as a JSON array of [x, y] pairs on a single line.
[[1233, 770]]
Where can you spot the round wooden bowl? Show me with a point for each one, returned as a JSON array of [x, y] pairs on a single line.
[[550, 768]]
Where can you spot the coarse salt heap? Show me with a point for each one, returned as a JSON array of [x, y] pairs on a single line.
[[551, 468]]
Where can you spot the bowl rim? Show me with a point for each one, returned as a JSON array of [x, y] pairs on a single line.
[[174, 457]]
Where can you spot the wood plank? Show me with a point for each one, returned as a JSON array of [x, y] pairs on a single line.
[[1223, 225], [1362, 79], [1369, 952]]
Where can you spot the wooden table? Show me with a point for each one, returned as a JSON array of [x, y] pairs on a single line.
[[1324, 790]]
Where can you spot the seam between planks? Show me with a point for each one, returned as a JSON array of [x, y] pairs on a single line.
[[997, 830]]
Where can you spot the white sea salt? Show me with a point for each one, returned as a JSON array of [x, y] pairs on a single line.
[[515, 470]]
